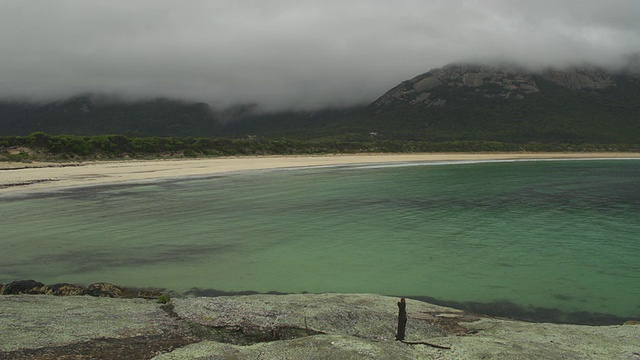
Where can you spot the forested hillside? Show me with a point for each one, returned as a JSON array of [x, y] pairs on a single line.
[[453, 103]]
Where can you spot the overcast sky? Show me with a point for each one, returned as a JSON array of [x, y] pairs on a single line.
[[289, 53]]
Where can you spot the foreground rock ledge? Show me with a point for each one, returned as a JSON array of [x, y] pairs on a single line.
[[303, 326]]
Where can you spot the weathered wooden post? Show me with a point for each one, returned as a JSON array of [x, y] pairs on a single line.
[[402, 319]]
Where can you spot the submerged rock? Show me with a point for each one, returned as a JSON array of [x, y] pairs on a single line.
[[104, 290], [64, 289], [23, 287]]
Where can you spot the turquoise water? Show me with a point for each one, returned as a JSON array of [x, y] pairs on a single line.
[[536, 234]]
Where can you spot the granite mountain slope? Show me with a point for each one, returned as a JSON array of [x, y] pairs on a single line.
[[582, 104]]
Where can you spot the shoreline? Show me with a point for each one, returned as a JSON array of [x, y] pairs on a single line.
[[16, 178], [294, 326], [503, 309]]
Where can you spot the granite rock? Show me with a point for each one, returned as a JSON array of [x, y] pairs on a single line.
[[64, 289], [23, 287], [505, 82], [104, 290], [300, 326]]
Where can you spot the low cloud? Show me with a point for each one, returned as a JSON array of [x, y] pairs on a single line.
[[290, 54]]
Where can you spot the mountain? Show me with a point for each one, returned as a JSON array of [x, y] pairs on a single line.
[[93, 115], [491, 82], [582, 104], [478, 102], [505, 103]]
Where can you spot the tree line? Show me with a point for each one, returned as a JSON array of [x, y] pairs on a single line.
[[40, 145]]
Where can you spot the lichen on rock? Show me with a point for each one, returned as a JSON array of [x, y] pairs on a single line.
[[64, 289], [19, 287], [104, 290]]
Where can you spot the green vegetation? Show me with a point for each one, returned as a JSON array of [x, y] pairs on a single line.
[[164, 299], [41, 146]]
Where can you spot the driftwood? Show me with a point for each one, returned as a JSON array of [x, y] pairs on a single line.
[[402, 319], [402, 326]]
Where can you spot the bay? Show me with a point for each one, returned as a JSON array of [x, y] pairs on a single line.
[[560, 235]]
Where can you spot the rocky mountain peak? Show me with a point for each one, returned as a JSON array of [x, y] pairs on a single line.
[[577, 78], [507, 82]]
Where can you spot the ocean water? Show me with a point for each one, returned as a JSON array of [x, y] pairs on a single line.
[[525, 237]]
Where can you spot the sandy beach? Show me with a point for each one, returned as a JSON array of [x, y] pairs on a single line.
[[30, 177]]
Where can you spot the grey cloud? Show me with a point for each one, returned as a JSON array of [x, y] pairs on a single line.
[[283, 54]]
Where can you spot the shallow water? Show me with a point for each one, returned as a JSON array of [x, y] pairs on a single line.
[[552, 234]]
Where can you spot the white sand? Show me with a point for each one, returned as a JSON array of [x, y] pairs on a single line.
[[20, 177]]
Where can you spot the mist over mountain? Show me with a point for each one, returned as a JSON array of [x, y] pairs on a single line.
[[461, 101], [282, 55]]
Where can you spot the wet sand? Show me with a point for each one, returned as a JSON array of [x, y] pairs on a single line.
[[29, 177]]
